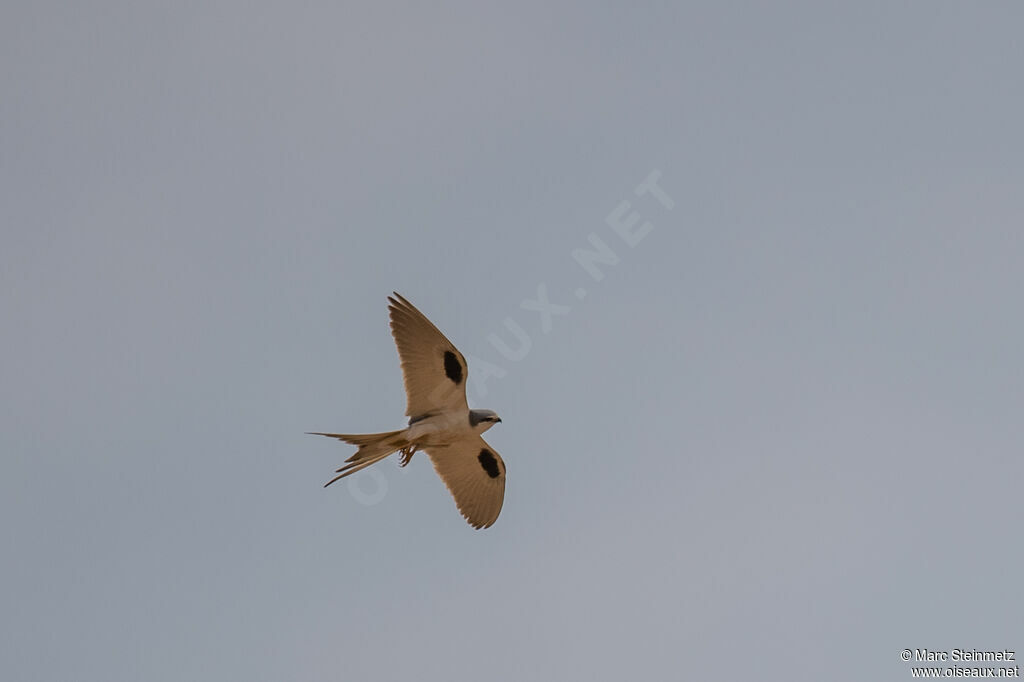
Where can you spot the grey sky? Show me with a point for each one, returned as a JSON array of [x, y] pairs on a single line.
[[780, 439]]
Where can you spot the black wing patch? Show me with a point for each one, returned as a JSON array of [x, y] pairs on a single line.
[[452, 367], [489, 463]]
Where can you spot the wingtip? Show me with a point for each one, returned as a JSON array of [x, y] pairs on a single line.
[[396, 299]]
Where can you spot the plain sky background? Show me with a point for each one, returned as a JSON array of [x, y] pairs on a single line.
[[780, 439]]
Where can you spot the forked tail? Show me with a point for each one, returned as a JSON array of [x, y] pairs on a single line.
[[373, 447]]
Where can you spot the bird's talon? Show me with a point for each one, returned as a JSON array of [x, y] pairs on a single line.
[[407, 453]]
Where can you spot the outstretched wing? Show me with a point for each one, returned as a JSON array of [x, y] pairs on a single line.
[[475, 476], [433, 369]]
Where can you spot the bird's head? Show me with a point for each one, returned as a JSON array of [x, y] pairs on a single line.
[[481, 420]]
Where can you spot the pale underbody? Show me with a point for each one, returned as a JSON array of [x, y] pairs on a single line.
[[439, 430]]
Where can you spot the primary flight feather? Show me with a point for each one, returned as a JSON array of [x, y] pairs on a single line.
[[440, 421]]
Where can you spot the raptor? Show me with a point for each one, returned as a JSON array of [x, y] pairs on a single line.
[[440, 421]]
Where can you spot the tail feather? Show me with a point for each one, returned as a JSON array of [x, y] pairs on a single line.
[[354, 467], [373, 447], [358, 438]]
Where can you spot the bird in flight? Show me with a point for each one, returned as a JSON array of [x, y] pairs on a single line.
[[440, 421]]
